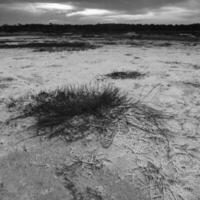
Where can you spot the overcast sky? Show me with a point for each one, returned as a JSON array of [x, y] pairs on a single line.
[[99, 11]]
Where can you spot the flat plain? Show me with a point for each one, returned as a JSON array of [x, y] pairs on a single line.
[[137, 164]]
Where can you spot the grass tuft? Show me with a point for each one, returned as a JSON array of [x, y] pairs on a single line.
[[72, 111], [125, 75]]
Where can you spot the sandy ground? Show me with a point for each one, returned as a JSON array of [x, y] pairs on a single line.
[[137, 166]]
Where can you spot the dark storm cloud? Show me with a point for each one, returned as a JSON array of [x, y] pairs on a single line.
[[99, 11], [106, 4]]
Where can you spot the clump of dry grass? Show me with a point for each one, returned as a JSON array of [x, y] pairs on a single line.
[[74, 112], [125, 75]]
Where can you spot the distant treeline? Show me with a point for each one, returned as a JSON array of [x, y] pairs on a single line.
[[102, 28]]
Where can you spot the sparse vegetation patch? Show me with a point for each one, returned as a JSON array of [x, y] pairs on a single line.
[[6, 79], [74, 112], [125, 75], [52, 46], [196, 67], [193, 84]]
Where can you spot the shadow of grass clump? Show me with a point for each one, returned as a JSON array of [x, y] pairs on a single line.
[[71, 112], [125, 75]]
